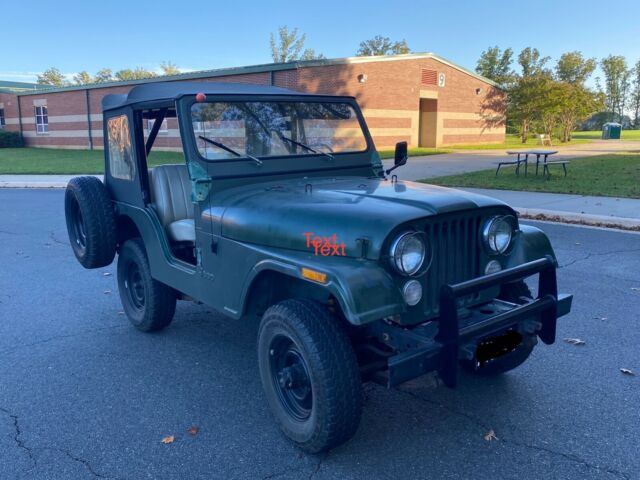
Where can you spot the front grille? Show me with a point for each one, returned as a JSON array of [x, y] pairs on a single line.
[[456, 257]]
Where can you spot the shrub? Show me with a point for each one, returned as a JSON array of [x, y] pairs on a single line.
[[10, 139]]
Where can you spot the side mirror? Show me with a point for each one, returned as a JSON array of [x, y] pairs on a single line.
[[400, 157]]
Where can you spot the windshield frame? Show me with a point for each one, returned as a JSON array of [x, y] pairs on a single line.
[[284, 99]]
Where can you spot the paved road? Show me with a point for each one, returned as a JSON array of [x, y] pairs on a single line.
[[464, 161], [83, 395]]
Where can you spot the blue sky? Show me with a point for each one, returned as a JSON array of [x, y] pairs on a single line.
[[196, 35]]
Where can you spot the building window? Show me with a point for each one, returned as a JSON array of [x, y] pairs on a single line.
[[163, 126], [42, 119], [2, 122], [121, 161]]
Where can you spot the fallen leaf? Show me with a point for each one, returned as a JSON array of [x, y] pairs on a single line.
[[575, 341], [578, 243], [490, 435], [120, 312], [635, 289], [107, 292], [601, 318], [193, 430], [626, 371], [168, 439], [106, 274]]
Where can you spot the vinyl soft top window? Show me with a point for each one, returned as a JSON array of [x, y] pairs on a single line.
[[122, 163]]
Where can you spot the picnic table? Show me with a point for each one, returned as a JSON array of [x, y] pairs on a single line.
[[523, 157]]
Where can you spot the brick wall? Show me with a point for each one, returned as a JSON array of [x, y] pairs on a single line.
[[468, 110]]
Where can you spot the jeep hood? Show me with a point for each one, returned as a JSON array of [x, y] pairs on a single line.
[[286, 213]]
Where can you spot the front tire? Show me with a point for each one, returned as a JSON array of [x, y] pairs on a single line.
[[310, 375], [148, 303], [515, 293]]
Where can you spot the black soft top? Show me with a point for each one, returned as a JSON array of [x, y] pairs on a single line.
[[173, 90]]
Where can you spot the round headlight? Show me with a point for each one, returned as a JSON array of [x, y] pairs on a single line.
[[408, 253], [412, 292], [498, 232]]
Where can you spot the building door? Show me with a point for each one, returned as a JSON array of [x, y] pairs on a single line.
[[428, 122]]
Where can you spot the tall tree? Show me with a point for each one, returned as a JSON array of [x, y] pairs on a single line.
[[83, 78], [137, 73], [526, 99], [380, 45], [531, 62], [169, 68], [288, 46], [104, 75], [635, 95], [616, 84], [572, 67], [574, 103], [495, 64], [52, 76]]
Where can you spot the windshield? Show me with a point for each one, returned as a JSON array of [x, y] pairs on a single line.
[[270, 129]]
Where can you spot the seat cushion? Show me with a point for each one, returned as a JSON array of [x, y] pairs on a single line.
[[171, 193], [171, 198], [182, 231]]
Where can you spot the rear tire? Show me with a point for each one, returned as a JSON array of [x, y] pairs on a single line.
[[310, 375], [148, 303], [91, 222], [514, 293]]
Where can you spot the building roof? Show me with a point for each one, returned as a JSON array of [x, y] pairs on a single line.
[[173, 90], [13, 87], [268, 67]]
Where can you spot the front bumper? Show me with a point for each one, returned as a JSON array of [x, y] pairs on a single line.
[[440, 345]]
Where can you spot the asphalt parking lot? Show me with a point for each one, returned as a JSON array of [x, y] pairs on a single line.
[[84, 395]]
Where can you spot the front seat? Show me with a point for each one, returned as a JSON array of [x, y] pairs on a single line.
[[171, 198]]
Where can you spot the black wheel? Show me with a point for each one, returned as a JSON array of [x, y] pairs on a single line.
[[90, 222], [149, 304], [500, 354], [310, 374]]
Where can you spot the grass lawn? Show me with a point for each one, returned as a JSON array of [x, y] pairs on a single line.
[[597, 134], [415, 152], [513, 141], [58, 161], [612, 175]]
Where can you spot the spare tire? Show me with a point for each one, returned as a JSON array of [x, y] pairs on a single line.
[[91, 222]]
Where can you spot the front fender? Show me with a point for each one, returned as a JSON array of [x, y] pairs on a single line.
[[365, 291], [530, 244]]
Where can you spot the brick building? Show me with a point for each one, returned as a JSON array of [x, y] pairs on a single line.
[[421, 98]]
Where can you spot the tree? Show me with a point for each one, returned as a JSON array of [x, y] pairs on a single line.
[[380, 45], [496, 64], [289, 46], [635, 95], [616, 84], [137, 73], [573, 68], [104, 75], [83, 78], [169, 68], [575, 103], [531, 63], [52, 76], [526, 99]]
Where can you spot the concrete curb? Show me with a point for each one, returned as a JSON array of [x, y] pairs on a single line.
[[604, 221]]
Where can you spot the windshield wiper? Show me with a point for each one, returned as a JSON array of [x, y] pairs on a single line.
[[306, 147], [231, 150]]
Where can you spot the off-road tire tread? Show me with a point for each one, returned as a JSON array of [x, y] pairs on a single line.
[[97, 212], [160, 299], [334, 367]]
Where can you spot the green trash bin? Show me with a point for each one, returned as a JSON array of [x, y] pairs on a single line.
[[611, 131]]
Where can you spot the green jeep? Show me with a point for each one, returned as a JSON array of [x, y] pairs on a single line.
[[283, 211]]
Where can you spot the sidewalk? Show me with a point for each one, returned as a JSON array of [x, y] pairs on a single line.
[[603, 211]]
